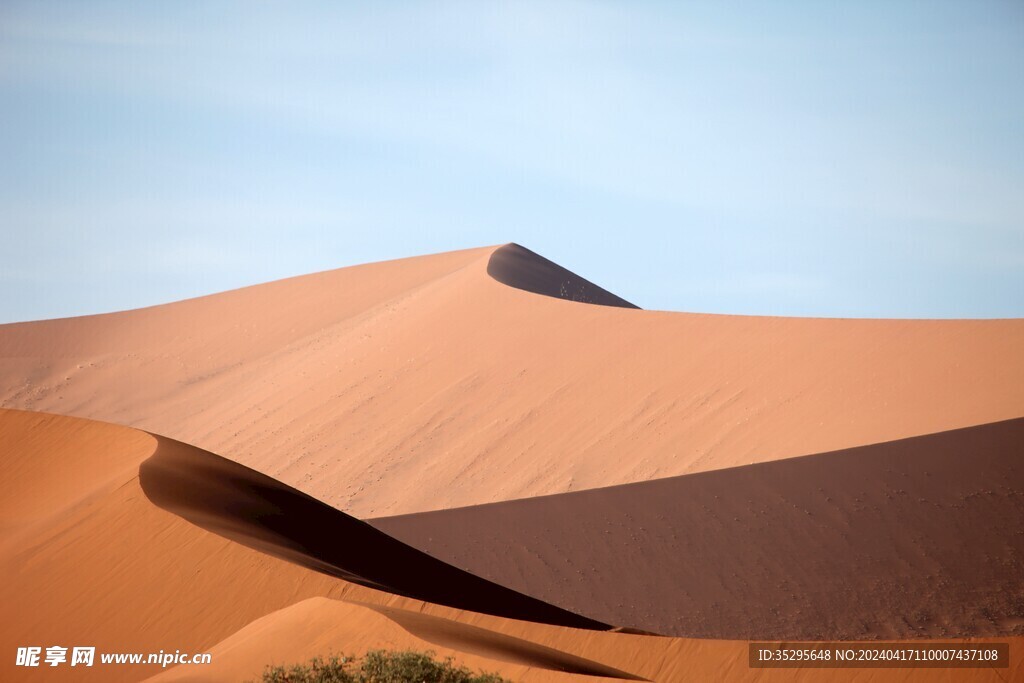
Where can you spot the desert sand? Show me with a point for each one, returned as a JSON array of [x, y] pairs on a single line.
[[424, 384], [116, 570], [914, 538], [542, 463]]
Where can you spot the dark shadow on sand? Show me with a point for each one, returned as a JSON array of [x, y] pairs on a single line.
[[521, 268], [260, 512]]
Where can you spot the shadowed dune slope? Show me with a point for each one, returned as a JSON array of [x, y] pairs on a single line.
[[112, 570], [251, 508], [426, 383], [922, 537], [521, 268]]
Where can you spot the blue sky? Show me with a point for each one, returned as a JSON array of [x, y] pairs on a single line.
[[814, 158]]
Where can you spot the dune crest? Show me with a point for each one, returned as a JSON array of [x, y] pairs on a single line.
[[113, 570], [251, 508], [322, 627], [517, 266], [425, 383]]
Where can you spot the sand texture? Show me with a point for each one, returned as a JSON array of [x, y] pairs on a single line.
[[484, 454], [921, 537], [116, 570], [425, 383]]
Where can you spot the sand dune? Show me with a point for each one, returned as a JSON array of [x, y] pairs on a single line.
[[638, 468], [913, 538], [518, 267], [109, 569], [44, 477], [112, 569], [238, 503], [426, 383], [321, 627]]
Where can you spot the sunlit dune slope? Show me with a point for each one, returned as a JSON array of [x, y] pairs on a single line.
[[426, 383], [111, 569], [323, 627], [107, 567], [518, 650], [189, 555], [922, 537]]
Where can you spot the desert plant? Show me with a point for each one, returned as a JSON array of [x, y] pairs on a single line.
[[317, 670], [379, 666]]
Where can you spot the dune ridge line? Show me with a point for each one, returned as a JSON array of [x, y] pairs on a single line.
[[517, 266], [425, 383], [260, 512], [913, 538]]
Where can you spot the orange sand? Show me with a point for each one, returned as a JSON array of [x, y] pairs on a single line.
[[425, 384], [490, 375], [115, 571]]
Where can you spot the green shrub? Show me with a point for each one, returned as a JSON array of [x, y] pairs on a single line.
[[317, 670], [378, 666]]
